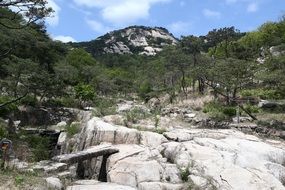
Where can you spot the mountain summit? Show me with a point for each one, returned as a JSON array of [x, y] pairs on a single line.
[[131, 40]]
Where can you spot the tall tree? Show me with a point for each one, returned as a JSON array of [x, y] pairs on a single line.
[[31, 10]]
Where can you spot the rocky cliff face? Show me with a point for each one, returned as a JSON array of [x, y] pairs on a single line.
[[132, 40]]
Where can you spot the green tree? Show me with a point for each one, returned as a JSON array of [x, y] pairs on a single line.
[[32, 10], [85, 93], [229, 76]]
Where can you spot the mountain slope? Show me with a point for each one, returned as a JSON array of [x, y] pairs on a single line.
[[131, 40]]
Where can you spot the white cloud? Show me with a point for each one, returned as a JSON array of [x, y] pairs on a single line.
[[64, 39], [120, 12], [54, 19], [252, 7], [97, 26], [211, 14], [179, 27]]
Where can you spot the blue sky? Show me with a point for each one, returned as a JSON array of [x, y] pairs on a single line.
[[83, 20]]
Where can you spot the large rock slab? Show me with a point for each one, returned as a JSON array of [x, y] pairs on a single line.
[[160, 186], [100, 186], [131, 172], [230, 160], [97, 131], [136, 164], [151, 139]]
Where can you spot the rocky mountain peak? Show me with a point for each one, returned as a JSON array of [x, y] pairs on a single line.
[[131, 40]]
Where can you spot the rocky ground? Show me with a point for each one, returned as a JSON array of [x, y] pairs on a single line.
[[169, 151]]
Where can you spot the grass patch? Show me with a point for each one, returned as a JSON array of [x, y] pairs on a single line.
[[12, 179]]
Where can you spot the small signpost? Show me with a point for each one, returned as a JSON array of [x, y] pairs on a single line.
[[6, 149]]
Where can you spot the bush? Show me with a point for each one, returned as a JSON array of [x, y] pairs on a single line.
[[144, 90], [251, 108], [85, 92], [39, 146], [104, 107], [218, 111], [184, 174], [29, 101], [7, 109], [3, 129], [262, 93], [73, 129], [19, 180], [68, 102], [229, 111], [136, 114]]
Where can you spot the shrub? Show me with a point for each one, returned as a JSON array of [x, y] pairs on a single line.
[[39, 146], [251, 108], [29, 101], [19, 180], [85, 92], [229, 111], [136, 114], [68, 102], [262, 93], [218, 111], [184, 174], [144, 90], [7, 109], [3, 130], [104, 107], [73, 129]]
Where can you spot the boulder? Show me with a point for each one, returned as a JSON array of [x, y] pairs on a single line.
[[114, 119], [97, 131], [178, 135], [124, 106], [62, 139], [54, 183], [131, 172], [151, 139], [265, 104]]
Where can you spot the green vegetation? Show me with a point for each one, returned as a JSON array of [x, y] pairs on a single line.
[[12, 179], [218, 111], [73, 129], [136, 114], [184, 174], [37, 71], [39, 146]]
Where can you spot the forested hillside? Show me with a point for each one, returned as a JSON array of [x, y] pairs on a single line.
[[36, 70]]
